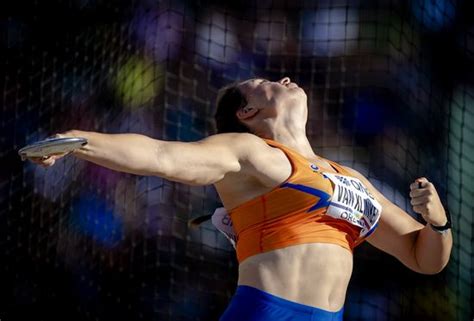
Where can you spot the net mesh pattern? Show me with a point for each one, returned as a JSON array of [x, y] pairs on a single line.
[[390, 94]]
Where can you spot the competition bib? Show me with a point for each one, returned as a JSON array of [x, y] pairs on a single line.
[[352, 202], [222, 221]]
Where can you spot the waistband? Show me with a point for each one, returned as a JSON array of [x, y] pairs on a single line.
[[252, 294]]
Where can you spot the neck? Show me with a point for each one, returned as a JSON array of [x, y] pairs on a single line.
[[296, 141]]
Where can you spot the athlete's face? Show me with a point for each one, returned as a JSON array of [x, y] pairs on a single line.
[[273, 102]]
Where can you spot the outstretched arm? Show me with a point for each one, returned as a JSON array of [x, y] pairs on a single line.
[[417, 246], [195, 163]]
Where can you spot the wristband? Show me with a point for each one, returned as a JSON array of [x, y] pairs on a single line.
[[443, 229]]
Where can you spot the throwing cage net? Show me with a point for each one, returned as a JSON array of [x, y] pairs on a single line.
[[390, 93]]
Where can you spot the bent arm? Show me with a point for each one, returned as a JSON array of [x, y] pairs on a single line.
[[195, 163], [416, 245], [432, 250]]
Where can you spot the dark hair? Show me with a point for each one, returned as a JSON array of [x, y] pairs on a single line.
[[229, 100]]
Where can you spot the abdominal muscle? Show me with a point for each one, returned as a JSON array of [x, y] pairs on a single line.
[[315, 274]]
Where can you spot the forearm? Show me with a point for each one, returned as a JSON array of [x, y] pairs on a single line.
[[130, 153], [432, 250]]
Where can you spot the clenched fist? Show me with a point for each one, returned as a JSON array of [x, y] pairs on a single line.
[[425, 201]]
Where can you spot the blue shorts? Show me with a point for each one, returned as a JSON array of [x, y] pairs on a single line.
[[251, 304]]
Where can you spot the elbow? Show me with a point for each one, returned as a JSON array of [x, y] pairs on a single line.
[[429, 258], [433, 269], [430, 266]]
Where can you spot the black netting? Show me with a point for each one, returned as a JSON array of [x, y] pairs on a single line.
[[390, 91]]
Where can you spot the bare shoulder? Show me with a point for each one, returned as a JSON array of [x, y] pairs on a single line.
[[239, 143], [250, 149], [226, 137], [237, 147], [269, 165], [262, 168], [234, 138]]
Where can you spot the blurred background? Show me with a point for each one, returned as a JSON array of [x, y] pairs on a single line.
[[391, 94]]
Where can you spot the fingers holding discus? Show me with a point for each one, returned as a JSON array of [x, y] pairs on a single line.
[[45, 161]]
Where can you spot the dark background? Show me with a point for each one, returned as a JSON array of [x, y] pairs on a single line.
[[390, 88]]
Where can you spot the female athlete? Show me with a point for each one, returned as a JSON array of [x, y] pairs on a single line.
[[297, 216]]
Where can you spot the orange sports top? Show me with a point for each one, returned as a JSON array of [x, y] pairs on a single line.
[[292, 213]]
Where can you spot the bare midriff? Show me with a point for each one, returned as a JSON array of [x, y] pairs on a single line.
[[315, 274]]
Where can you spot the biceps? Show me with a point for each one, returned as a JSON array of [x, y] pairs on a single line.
[[197, 163], [396, 235]]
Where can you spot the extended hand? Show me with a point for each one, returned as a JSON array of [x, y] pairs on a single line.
[[48, 161], [425, 201]]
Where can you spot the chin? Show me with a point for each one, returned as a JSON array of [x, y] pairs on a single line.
[[299, 99], [299, 94], [303, 93]]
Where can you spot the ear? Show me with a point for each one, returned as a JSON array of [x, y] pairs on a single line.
[[246, 112]]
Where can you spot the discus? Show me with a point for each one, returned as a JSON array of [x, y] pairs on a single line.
[[52, 146]]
